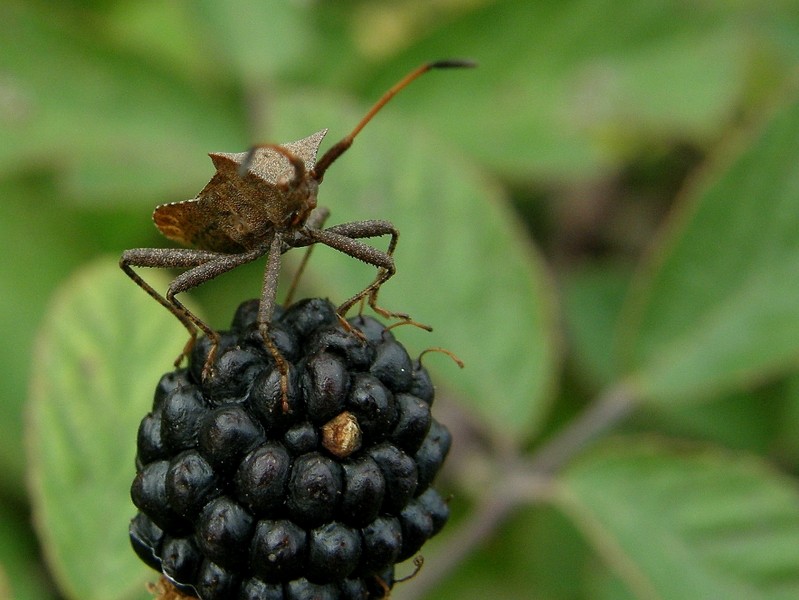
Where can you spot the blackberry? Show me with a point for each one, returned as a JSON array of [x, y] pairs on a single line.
[[240, 499]]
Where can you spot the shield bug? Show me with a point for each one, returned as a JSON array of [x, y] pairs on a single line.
[[263, 202]]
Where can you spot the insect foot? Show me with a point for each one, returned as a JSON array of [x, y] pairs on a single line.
[[238, 498], [263, 203]]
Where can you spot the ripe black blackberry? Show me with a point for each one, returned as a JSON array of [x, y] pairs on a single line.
[[240, 499]]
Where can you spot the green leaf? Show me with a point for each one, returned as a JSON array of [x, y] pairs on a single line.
[[536, 553], [464, 265], [718, 304], [685, 522], [20, 569], [110, 122], [748, 420], [5, 590], [99, 355], [592, 298], [169, 34], [565, 89], [603, 585], [41, 243], [786, 444], [257, 39]]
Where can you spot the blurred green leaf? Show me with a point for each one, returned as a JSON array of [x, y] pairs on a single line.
[[464, 265], [682, 522], [40, 245], [169, 34], [110, 123], [592, 298], [786, 442], [536, 553], [603, 585], [718, 304], [99, 355], [565, 89], [257, 39], [21, 574], [743, 420], [5, 591]]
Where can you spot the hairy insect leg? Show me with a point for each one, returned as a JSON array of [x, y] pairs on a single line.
[[315, 221], [167, 258], [210, 269], [345, 238], [203, 266], [266, 310]]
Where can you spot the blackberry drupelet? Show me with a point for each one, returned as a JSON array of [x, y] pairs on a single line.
[[241, 500]]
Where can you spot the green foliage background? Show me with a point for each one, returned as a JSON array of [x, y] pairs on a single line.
[[602, 221]]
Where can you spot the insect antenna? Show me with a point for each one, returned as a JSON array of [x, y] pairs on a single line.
[[340, 147]]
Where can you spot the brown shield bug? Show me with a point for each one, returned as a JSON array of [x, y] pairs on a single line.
[[263, 202]]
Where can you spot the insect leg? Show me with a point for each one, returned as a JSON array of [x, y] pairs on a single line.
[[315, 221], [344, 238], [318, 217], [218, 264], [167, 258], [265, 311]]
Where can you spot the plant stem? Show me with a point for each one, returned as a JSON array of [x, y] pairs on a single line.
[[526, 480], [609, 409]]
